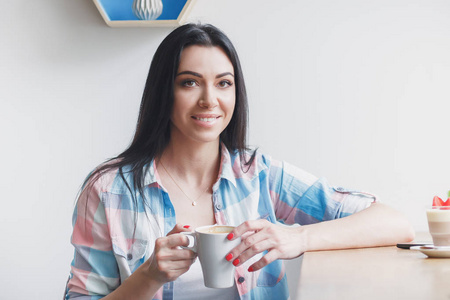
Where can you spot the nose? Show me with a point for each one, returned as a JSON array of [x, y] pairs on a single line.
[[208, 98]]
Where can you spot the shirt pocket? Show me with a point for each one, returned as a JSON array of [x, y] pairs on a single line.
[[129, 260]]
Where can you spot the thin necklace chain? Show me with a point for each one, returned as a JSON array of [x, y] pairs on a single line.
[[194, 202]]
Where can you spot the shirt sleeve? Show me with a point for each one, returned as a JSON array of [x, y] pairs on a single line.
[[301, 198], [94, 271]]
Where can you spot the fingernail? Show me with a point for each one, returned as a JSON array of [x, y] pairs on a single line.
[[186, 226], [236, 262], [229, 257], [230, 236], [250, 269]]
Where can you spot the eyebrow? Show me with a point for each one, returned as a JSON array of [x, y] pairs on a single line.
[[201, 76]]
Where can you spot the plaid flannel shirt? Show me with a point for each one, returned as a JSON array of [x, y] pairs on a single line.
[[108, 247]]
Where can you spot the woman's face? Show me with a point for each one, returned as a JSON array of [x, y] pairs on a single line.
[[204, 93]]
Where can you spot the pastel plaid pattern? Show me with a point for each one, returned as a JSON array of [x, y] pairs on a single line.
[[109, 247]]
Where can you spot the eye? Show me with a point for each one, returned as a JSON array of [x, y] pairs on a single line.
[[189, 83], [225, 83]]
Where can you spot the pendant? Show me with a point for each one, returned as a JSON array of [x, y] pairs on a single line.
[[194, 203]]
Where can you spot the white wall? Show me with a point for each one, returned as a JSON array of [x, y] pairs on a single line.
[[355, 91]]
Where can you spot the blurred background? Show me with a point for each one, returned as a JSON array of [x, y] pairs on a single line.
[[355, 91]]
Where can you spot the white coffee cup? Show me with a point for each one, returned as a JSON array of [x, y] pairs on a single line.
[[211, 245]]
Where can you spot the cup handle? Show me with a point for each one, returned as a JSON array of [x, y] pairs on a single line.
[[194, 247]]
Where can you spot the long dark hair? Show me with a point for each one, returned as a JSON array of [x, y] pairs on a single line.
[[153, 126]]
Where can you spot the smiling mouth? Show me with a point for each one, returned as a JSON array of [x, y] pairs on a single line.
[[205, 119]]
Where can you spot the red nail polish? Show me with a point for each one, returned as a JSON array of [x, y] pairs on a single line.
[[230, 236], [250, 269], [229, 257], [186, 226], [236, 262]]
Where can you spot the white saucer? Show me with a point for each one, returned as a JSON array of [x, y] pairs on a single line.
[[433, 252]]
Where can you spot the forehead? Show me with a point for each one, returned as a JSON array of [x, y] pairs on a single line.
[[204, 59]]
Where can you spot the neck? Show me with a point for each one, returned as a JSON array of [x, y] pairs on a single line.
[[196, 163]]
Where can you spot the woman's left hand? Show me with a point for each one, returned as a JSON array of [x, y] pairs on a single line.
[[281, 242]]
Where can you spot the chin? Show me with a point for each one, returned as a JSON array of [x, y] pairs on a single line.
[[207, 139]]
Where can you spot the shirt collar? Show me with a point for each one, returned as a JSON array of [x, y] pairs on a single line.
[[230, 169], [226, 165], [151, 175], [234, 165]]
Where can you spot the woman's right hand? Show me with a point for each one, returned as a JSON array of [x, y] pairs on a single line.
[[168, 261], [166, 264]]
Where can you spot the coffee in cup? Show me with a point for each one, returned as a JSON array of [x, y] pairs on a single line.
[[211, 245], [215, 229]]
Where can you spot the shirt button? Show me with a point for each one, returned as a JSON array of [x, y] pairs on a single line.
[[129, 256], [218, 206], [241, 279]]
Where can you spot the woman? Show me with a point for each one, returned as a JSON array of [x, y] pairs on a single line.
[[188, 166]]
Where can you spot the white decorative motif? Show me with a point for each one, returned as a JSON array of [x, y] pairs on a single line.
[[147, 9]]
